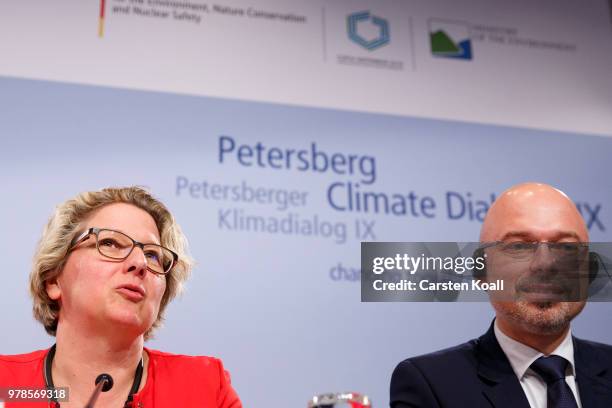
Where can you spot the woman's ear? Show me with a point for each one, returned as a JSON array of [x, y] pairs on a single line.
[[54, 291]]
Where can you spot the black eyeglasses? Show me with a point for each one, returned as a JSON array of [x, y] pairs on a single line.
[[526, 250], [117, 245]]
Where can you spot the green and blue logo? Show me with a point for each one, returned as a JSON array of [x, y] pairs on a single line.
[[450, 39]]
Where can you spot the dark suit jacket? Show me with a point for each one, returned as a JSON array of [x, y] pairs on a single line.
[[477, 374]]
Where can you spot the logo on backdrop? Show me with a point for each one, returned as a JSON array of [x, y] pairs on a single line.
[[362, 38], [101, 19], [370, 32], [455, 39], [186, 13], [450, 39]]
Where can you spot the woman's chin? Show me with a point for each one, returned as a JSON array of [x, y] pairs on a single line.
[[124, 322]]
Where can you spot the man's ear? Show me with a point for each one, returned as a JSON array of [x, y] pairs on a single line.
[[54, 291]]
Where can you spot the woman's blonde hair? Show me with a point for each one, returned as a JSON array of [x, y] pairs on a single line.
[[66, 223]]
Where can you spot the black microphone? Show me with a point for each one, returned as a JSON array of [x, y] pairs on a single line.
[[104, 382]]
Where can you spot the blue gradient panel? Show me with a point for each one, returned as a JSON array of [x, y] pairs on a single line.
[[281, 309]]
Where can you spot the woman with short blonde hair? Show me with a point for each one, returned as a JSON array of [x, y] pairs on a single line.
[[104, 271]]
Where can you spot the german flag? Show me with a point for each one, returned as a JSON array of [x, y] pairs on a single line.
[[101, 19]]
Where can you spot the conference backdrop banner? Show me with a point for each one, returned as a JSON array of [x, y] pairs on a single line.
[[284, 134]]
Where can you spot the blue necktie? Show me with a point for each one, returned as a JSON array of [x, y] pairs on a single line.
[[552, 370]]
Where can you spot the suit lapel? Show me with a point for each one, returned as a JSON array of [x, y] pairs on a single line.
[[595, 390], [500, 385]]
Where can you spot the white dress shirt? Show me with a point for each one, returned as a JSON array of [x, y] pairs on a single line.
[[521, 356]]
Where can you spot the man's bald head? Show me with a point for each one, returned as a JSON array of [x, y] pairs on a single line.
[[533, 212]]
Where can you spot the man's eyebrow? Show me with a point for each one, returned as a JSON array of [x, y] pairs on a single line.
[[526, 235]]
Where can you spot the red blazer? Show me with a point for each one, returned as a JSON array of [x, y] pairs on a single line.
[[173, 380]]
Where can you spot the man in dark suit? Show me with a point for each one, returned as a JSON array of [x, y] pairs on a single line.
[[528, 357]]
